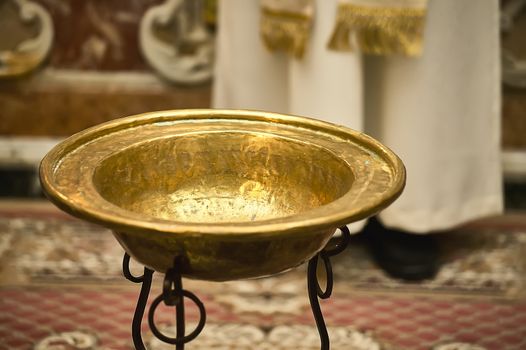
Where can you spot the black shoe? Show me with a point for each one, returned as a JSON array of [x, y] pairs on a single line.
[[402, 255]]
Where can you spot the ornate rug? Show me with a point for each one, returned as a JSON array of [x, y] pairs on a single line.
[[480, 260], [71, 318], [61, 288]]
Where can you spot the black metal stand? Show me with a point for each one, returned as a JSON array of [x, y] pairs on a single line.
[[173, 295], [313, 285]]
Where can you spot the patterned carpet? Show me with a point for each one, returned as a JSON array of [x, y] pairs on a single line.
[[61, 288]]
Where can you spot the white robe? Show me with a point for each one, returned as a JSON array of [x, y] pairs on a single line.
[[440, 112]]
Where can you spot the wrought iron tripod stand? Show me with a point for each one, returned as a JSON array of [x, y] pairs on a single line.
[[173, 294]]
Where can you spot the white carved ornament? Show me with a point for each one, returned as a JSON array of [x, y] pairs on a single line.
[[166, 58], [30, 53]]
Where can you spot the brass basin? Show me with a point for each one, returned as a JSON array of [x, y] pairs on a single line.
[[236, 193]]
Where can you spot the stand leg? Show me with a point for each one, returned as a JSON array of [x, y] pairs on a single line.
[[146, 280], [314, 288], [173, 295], [180, 323]]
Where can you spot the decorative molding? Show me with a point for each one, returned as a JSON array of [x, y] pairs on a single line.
[[513, 68], [193, 66], [24, 151], [124, 81], [30, 53], [509, 12], [514, 165]]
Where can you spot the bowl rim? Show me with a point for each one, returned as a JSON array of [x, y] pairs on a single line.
[[289, 224]]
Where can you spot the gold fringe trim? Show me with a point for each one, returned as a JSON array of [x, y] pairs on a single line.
[[282, 31], [210, 12], [379, 31]]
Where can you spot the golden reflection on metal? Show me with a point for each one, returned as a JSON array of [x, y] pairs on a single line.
[[236, 193]]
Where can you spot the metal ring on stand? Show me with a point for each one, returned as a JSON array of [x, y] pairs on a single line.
[[325, 294], [186, 338]]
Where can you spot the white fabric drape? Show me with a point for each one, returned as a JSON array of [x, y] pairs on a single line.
[[439, 112]]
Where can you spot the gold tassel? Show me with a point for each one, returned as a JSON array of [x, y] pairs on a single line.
[[285, 31], [379, 31], [210, 12]]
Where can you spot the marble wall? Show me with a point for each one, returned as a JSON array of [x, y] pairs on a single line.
[[93, 72], [514, 98], [97, 34]]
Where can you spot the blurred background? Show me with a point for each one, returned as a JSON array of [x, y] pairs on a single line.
[[67, 65]]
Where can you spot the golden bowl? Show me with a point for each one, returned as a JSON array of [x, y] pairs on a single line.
[[234, 193]]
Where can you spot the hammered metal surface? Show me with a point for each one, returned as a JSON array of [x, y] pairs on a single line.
[[237, 193], [222, 177]]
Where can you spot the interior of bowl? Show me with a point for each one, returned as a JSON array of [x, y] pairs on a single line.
[[214, 177], [221, 173]]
